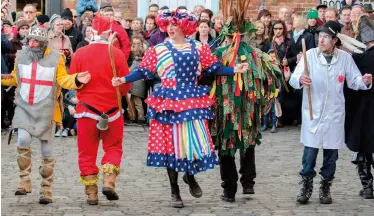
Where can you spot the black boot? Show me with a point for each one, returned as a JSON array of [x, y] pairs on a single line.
[[324, 192], [195, 189], [229, 177], [225, 197], [366, 177], [247, 170], [176, 200], [306, 190]]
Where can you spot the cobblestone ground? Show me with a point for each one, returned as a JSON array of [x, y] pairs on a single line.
[[145, 190]]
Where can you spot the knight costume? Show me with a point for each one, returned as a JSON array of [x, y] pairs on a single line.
[[39, 82]]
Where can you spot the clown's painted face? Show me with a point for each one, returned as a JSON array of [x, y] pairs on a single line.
[[174, 31], [326, 42]]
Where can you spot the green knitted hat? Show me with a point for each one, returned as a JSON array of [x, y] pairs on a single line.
[[312, 14]]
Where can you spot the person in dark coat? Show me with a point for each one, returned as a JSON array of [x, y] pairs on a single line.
[[359, 119], [293, 98], [74, 34], [5, 48], [280, 43]]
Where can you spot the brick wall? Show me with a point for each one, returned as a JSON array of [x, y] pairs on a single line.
[[273, 5]]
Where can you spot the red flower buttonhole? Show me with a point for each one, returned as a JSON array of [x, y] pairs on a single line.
[[341, 78]]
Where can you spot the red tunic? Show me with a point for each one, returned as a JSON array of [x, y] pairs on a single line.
[[99, 92]]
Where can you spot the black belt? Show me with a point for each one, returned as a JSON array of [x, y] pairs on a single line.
[[97, 111]]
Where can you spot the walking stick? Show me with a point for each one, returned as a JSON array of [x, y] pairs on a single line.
[[112, 39], [307, 74]]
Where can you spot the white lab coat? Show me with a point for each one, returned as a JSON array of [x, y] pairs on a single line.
[[326, 130]]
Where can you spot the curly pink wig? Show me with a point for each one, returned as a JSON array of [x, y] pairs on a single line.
[[183, 18]]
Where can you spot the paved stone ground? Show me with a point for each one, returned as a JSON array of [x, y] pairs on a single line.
[[145, 190]]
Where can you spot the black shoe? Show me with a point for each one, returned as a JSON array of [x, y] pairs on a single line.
[[306, 190], [324, 192], [195, 189], [367, 193], [45, 201], [248, 190], [225, 198], [176, 200], [21, 192], [110, 194], [92, 202]]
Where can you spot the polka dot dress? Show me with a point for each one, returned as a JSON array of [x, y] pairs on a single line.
[[179, 109]]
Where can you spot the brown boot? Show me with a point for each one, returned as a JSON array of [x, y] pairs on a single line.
[[110, 173], [24, 164], [90, 183], [46, 170]]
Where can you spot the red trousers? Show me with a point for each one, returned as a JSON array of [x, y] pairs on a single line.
[[88, 143]]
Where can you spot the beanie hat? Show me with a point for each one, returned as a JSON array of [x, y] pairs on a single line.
[[312, 14], [67, 14], [42, 18], [52, 24], [105, 5], [53, 19], [22, 23], [70, 95], [7, 22]]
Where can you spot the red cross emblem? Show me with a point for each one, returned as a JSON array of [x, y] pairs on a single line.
[[34, 82]]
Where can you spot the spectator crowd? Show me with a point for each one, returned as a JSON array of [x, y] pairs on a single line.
[[279, 35]]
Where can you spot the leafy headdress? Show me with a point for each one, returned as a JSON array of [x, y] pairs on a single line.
[[237, 25]]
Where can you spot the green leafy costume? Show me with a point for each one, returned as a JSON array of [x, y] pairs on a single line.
[[241, 99]]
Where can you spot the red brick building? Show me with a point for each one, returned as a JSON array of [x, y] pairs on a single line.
[[274, 5]]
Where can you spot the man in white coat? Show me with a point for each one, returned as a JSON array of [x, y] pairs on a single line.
[[328, 67]]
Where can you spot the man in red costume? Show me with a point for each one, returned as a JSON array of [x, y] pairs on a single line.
[[97, 99]]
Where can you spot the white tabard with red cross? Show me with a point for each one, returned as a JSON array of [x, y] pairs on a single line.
[[36, 82]]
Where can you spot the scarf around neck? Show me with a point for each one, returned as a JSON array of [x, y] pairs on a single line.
[[296, 35]]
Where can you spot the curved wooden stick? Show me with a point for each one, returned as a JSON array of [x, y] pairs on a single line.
[[112, 39], [307, 74]]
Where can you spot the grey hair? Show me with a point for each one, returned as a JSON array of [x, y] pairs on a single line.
[[359, 6], [202, 6], [34, 53]]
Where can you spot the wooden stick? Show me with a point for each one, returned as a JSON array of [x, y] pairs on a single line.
[[112, 39], [307, 74]]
